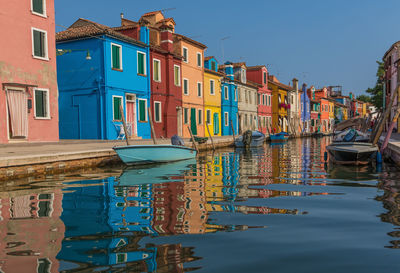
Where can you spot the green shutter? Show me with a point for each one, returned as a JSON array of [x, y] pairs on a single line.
[[193, 125], [38, 43], [157, 112], [39, 103], [117, 104], [37, 6], [216, 124], [142, 110], [141, 63], [116, 55]]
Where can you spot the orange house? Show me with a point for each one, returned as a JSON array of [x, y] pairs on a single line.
[[322, 96], [192, 83]]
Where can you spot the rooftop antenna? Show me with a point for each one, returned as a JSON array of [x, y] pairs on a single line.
[[167, 9], [222, 46]]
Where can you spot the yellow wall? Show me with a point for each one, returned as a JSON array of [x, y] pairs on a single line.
[[212, 102], [331, 110], [276, 110]]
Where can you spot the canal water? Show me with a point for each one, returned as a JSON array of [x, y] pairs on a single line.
[[279, 208]]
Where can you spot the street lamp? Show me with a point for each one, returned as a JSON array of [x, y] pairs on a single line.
[[65, 51]]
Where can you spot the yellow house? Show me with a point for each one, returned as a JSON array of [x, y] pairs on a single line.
[[331, 113], [212, 97], [280, 104], [364, 109]]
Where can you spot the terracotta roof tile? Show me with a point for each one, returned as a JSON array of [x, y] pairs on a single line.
[[151, 13], [187, 39], [255, 67], [214, 72]]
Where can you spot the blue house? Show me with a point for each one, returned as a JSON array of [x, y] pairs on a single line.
[[99, 70], [229, 103], [305, 109]]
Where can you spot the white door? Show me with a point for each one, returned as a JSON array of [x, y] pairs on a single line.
[[17, 110]]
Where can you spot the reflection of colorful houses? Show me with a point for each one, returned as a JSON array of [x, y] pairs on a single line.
[[31, 232], [305, 109], [212, 97], [280, 104]]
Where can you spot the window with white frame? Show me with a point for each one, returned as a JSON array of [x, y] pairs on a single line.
[[116, 56], [199, 89], [185, 86], [177, 75], [39, 44], [208, 116], [141, 57], [226, 118], [226, 93], [39, 7], [200, 116], [212, 87], [156, 70], [185, 54], [199, 59], [157, 111], [42, 103], [142, 110]]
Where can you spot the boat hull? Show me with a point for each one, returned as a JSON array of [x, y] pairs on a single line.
[[150, 154], [352, 153], [257, 140]]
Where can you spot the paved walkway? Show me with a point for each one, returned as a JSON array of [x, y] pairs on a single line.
[[23, 153]]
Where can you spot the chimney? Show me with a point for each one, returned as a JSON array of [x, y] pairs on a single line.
[[122, 15], [166, 38], [295, 84], [144, 33]]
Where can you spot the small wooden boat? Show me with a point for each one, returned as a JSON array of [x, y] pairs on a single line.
[[250, 139], [351, 135], [352, 153], [149, 154], [280, 137]]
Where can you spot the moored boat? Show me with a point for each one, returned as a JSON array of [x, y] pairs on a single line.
[[354, 153], [149, 154], [250, 139], [280, 137]]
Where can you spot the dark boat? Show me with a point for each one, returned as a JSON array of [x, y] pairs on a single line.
[[250, 139], [352, 153]]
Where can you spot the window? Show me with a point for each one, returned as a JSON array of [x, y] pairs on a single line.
[[121, 258], [141, 56], [185, 54], [226, 118], [235, 93], [259, 99], [43, 265], [157, 111], [39, 7], [42, 104], [208, 116], [213, 66], [200, 116], [116, 57], [185, 86], [39, 44], [117, 102], [212, 88], [186, 115], [243, 75], [156, 70], [265, 77], [199, 59], [226, 94], [177, 75], [142, 110], [199, 91]]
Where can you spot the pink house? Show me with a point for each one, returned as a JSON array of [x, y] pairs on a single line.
[[28, 79], [259, 75]]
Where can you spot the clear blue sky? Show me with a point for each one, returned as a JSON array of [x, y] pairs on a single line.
[[320, 42]]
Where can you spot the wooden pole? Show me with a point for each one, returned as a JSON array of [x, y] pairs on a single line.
[[233, 132], [212, 142], [385, 117], [121, 110], [193, 141], [153, 133]]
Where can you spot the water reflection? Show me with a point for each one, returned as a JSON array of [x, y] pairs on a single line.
[[138, 220]]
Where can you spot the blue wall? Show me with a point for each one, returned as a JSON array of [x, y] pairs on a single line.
[[305, 102], [230, 105], [86, 87]]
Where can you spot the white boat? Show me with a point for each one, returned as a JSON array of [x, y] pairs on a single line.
[[149, 154]]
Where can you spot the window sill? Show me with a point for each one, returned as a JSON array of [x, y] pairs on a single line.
[[117, 69], [141, 121], [39, 14], [40, 58], [143, 75], [186, 94], [42, 118], [156, 81], [117, 120]]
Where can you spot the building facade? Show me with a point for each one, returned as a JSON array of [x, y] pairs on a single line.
[[229, 101], [28, 73], [305, 110], [280, 105], [212, 97], [93, 90]]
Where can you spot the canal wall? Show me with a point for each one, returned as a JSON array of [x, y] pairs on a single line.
[[392, 151], [21, 160]]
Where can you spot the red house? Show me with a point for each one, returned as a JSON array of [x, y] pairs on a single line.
[[166, 97], [259, 75], [28, 75]]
